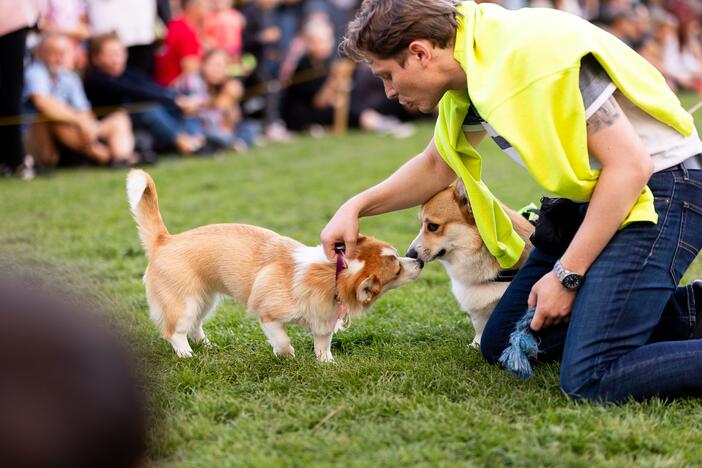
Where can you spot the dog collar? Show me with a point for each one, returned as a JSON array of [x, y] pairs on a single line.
[[341, 265], [505, 276]]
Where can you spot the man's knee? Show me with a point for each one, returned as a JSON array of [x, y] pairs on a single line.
[[490, 348]]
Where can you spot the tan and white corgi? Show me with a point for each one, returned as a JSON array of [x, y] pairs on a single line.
[[277, 279], [449, 234]]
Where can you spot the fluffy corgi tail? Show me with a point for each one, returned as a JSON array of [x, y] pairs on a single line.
[[143, 201]]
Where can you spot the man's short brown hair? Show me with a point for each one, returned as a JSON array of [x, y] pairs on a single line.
[[98, 42], [385, 28]]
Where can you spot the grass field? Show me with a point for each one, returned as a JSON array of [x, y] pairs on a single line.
[[406, 388]]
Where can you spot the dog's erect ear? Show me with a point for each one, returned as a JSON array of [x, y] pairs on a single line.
[[462, 196], [368, 289]]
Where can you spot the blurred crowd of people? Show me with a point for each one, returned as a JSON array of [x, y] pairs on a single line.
[[117, 82]]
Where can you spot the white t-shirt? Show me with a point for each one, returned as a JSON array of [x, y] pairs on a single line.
[[20, 14], [134, 21]]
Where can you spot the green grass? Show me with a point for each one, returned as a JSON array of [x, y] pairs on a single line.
[[406, 388]]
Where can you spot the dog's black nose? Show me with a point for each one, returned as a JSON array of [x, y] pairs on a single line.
[[421, 263], [411, 253]]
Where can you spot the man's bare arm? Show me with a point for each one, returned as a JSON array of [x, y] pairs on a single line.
[[412, 184], [56, 110]]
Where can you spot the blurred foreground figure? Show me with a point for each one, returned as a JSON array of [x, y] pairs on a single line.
[[68, 393]]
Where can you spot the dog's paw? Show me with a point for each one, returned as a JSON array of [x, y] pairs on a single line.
[[285, 352], [326, 357], [475, 344], [184, 352], [206, 343]]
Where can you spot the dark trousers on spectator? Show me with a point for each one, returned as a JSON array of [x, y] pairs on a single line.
[[12, 49], [141, 57]]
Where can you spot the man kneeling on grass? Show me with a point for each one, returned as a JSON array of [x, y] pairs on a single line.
[[590, 120], [66, 127]]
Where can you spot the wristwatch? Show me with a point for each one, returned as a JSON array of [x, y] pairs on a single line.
[[569, 279]]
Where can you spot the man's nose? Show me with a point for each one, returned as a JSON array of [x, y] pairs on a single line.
[[390, 91]]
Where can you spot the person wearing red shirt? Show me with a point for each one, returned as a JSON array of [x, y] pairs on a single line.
[[182, 50], [223, 28]]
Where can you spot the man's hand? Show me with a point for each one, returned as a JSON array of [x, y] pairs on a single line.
[[89, 128], [414, 183], [552, 300], [343, 227]]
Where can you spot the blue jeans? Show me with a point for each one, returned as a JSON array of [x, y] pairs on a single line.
[[248, 130], [628, 332], [165, 125]]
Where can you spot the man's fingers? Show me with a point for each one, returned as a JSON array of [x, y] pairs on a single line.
[[537, 322], [531, 302], [350, 247], [329, 251], [330, 248]]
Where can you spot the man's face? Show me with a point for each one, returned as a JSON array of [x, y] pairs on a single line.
[[54, 53], [197, 9], [112, 59], [320, 42], [215, 68], [417, 87]]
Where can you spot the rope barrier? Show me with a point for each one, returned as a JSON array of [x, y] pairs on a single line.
[[260, 89]]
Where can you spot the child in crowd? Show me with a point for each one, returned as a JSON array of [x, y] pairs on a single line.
[[220, 95], [309, 100], [223, 28], [181, 52]]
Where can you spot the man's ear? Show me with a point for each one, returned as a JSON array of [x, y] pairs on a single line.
[[420, 50], [368, 289]]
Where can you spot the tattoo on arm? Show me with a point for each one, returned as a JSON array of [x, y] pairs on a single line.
[[604, 117]]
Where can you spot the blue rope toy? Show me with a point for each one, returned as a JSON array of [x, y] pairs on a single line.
[[523, 346]]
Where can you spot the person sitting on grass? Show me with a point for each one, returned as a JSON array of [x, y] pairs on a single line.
[[311, 97], [590, 120], [218, 97], [160, 111], [66, 128]]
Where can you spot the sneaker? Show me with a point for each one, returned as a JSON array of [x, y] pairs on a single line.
[[27, 171], [389, 125], [403, 130], [317, 131], [697, 289], [276, 132]]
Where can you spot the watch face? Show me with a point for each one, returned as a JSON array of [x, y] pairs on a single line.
[[573, 281]]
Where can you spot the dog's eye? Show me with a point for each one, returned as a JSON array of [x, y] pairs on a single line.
[[399, 270], [432, 227]]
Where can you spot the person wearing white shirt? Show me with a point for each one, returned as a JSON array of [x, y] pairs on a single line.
[[134, 21], [17, 18]]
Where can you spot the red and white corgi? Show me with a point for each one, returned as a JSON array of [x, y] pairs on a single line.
[[278, 279]]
